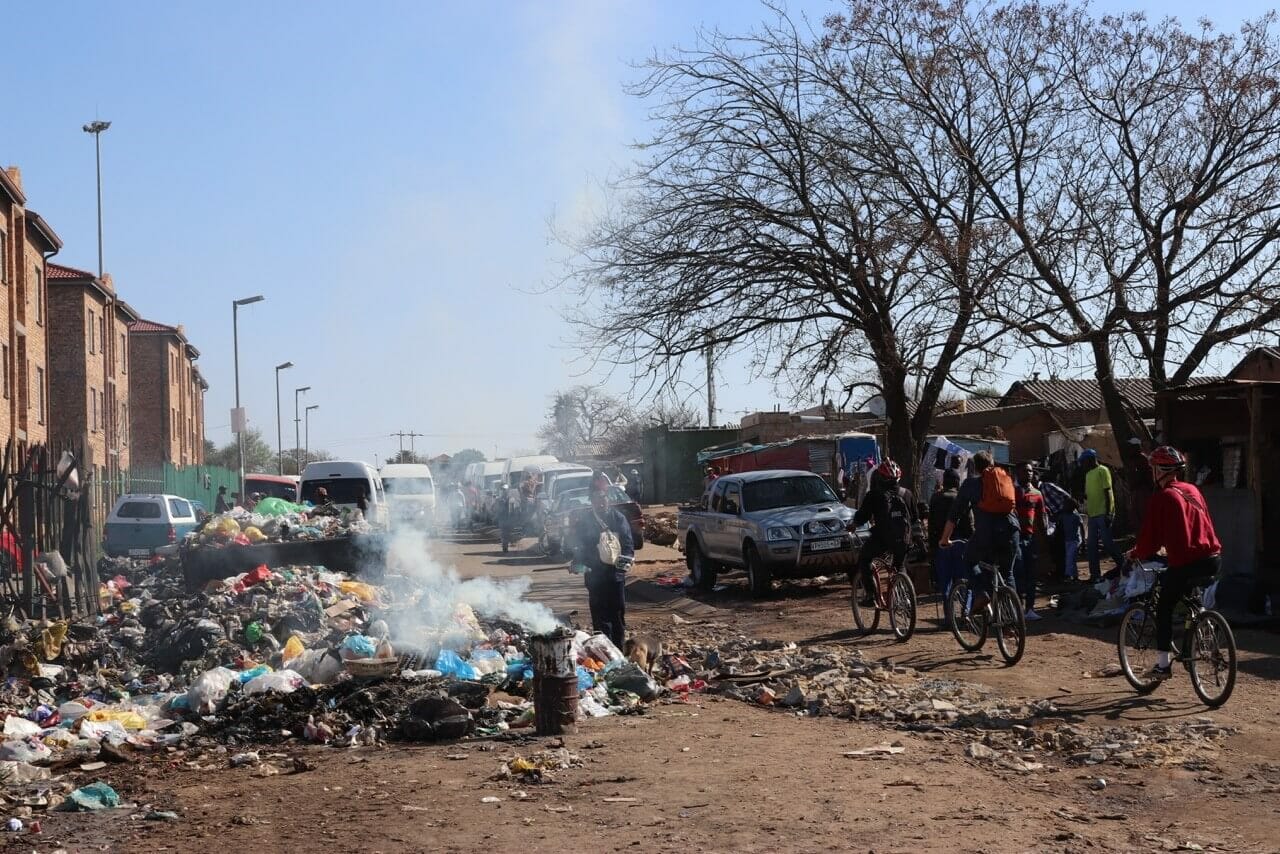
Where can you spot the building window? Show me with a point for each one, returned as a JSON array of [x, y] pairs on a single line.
[[93, 410], [102, 330], [93, 333], [4, 267], [39, 295], [8, 372], [124, 355], [40, 393]]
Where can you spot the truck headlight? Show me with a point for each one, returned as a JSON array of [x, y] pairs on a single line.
[[773, 534]]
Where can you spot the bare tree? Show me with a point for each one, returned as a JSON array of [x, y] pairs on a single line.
[[760, 221], [579, 418], [1135, 164], [627, 440]]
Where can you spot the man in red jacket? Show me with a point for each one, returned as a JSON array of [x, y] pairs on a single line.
[[1178, 521]]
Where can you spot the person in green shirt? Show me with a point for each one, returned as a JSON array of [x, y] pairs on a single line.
[[1100, 504]]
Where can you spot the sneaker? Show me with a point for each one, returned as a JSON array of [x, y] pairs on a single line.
[[1158, 673], [1031, 615]]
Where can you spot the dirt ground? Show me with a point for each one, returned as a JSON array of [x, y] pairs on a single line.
[[718, 774]]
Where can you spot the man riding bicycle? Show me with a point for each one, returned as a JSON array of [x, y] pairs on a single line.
[[990, 495], [892, 510], [1177, 520]]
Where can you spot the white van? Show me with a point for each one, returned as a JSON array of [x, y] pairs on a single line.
[[491, 476], [513, 469], [411, 493], [346, 481]]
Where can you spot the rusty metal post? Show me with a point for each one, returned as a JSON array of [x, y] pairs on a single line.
[[555, 683]]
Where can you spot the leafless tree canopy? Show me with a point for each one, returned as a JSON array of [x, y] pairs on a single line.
[[895, 201]]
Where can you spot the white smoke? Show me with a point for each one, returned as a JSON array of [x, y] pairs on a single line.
[[440, 591]]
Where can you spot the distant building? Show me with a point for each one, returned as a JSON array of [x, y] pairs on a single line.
[[166, 396], [89, 368], [26, 244]]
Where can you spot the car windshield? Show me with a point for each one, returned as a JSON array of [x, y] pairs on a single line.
[[408, 485], [271, 489], [491, 481], [785, 492], [139, 510], [342, 490], [568, 482], [574, 498]]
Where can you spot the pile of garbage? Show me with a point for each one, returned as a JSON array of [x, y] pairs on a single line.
[[274, 520], [268, 656], [660, 528]]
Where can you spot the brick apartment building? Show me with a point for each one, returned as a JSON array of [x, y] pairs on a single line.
[[166, 396], [89, 368], [26, 244]]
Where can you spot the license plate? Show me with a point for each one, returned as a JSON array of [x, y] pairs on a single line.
[[824, 545], [139, 552]]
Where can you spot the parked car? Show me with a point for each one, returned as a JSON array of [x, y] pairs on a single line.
[[574, 502], [773, 524], [411, 494], [138, 525], [271, 486]]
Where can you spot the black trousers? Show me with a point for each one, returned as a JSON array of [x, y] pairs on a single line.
[[1175, 582], [607, 596]]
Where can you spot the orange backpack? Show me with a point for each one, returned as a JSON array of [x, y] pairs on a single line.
[[997, 491]]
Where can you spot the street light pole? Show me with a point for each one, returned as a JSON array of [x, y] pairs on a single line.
[[239, 414], [96, 128], [297, 427], [308, 428], [279, 433]]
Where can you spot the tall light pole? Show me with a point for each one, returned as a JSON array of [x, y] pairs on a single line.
[[297, 427], [308, 429], [279, 433], [238, 420], [96, 128]]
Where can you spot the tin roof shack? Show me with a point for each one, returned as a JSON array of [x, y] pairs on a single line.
[[1024, 426], [1230, 431], [671, 472]]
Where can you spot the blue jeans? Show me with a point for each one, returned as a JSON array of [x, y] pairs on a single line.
[[1025, 569], [1100, 538]]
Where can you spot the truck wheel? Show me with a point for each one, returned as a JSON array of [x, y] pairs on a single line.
[[758, 575], [701, 570]]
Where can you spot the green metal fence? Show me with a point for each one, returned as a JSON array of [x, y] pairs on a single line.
[[198, 483]]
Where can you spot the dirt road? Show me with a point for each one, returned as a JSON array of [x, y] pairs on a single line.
[[718, 774]]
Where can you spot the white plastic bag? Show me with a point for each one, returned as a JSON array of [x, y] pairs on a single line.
[[282, 681], [600, 648], [209, 690], [1139, 581]]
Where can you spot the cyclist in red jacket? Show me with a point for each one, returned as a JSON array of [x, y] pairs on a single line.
[[1178, 521]]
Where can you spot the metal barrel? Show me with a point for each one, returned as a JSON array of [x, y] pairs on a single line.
[[555, 683]]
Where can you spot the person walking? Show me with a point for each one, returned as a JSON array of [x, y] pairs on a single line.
[[220, 504], [1100, 504], [603, 552], [1063, 526], [1031, 521]]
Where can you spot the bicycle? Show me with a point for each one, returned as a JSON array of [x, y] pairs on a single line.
[[1003, 613], [1208, 649], [894, 593]]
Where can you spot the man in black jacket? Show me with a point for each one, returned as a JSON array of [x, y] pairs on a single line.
[[892, 510], [606, 582]]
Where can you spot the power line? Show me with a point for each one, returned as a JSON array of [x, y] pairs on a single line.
[[411, 435]]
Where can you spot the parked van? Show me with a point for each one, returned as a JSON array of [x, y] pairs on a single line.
[[345, 480], [491, 475], [513, 469], [140, 524], [411, 493], [271, 486]]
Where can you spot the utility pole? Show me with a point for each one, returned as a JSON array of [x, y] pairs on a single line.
[[96, 128], [410, 435], [711, 384]]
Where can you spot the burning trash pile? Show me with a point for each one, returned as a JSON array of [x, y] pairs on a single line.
[[660, 528], [273, 655]]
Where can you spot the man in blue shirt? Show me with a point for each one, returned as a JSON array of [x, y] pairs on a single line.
[[995, 536], [606, 583]]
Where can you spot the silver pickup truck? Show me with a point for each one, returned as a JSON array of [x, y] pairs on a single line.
[[773, 524]]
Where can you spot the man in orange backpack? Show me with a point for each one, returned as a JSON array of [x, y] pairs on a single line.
[[990, 495]]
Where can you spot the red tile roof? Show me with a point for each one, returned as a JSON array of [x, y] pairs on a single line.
[[58, 271], [144, 326]]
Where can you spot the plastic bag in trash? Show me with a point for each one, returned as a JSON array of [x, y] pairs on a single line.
[[276, 507], [95, 796], [282, 681], [450, 664], [1139, 581], [28, 750], [586, 679], [359, 646], [209, 690], [629, 677], [599, 647]]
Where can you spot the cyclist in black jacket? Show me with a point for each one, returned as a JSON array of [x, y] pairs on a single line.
[[892, 511]]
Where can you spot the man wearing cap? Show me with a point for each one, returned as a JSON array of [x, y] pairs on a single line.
[[606, 582], [1100, 504]]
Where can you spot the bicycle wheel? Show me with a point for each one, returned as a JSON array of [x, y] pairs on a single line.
[[865, 617], [970, 631], [902, 606], [1136, 645], [1212, 658], [1011, 625]]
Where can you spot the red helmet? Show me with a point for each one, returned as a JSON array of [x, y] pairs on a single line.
[[889, 470], [1167, 458]]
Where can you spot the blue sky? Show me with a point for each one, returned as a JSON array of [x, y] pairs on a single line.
[[384, 176]]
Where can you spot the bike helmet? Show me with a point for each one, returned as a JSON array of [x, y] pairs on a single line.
[[1167, 458], [889, 471]]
